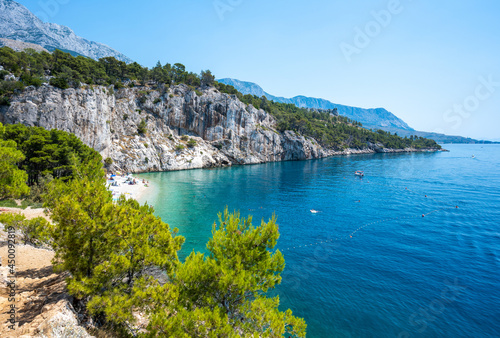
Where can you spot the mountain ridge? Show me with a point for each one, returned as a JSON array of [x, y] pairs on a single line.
[[374, 118], [371, 118], [18, 23]]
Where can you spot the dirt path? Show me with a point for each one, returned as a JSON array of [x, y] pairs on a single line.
[[43, 307]]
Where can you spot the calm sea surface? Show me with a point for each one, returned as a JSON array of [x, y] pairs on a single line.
[[400, 274]]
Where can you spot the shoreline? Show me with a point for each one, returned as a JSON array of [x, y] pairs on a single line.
[[350, 151], [347, 152], [137, 192]]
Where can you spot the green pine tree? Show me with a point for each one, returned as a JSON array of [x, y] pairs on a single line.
[[106, 246], [223, 294], [12, 179]]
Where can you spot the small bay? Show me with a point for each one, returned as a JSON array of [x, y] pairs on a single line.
[[368, 264]]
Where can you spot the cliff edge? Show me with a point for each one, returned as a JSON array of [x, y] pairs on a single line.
[[183, 128]]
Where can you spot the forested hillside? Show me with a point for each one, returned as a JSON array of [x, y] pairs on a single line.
[[372, 118], [62, 70]]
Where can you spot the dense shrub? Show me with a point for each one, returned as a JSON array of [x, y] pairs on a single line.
[[59, 82], [54, 152], [32, 231], [142, 127]]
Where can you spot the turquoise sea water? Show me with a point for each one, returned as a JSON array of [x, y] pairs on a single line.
[[401, 274]]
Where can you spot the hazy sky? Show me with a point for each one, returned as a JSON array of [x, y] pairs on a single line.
[[435, 64]]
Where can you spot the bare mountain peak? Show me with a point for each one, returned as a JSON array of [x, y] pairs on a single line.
[[18, 23], [249, 87]]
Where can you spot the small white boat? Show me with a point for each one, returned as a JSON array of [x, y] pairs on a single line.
[[359, 173], [314, 211]]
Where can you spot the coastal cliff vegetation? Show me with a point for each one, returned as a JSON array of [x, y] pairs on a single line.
[[31, 157], [122, 260], [62, 70]]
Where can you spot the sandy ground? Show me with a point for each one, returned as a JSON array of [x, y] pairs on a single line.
[[42, 304]]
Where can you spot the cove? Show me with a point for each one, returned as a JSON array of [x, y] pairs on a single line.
[[367, 264]]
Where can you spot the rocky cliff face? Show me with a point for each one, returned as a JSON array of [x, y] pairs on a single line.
[[185, 129]]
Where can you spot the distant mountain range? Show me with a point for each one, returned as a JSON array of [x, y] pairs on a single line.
[[19, 24], [372, 118]]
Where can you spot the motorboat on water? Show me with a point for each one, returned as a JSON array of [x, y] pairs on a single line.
[[314, 211], [359, 173]]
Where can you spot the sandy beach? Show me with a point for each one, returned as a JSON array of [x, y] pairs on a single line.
[[136, 191]]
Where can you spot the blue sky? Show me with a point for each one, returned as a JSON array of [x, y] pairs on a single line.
[[435, 64]]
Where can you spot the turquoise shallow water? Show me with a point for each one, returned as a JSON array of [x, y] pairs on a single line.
[[401, 274]]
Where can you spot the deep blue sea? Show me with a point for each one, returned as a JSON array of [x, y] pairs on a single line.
[[400, 274]]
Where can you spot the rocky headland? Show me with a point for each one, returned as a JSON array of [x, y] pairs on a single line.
[[183, 127]]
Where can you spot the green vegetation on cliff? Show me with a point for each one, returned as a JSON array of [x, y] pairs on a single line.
[[12, 179], [53, 153], [64, 71], [30, 157], [326, 126]]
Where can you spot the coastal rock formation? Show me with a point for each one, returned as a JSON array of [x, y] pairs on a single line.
[[184, 128]]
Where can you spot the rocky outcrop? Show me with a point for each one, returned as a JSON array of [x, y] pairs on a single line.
[[186, 128], [19, 46]]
